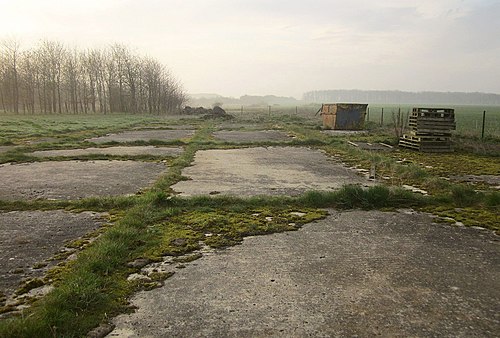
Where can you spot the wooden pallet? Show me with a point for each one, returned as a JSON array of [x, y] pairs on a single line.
[[434, 112], [430, 133], [429, 130], [429, 144], [416, 123]]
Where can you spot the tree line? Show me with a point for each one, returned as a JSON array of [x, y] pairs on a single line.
[[401, 97], [52, 78]]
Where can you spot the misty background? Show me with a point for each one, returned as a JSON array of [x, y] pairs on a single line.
[[284, 48]]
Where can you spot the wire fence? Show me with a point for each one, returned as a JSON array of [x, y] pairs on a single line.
[[469, 119]]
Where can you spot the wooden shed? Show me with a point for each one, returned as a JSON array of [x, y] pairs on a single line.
[[343, 116]]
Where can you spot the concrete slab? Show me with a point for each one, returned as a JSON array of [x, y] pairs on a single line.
[[238, 136], [263, 171], [354, 274], [30, 237], [75, 179], [144, 135], [118, 151]]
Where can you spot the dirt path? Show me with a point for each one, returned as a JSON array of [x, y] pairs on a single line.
[[356, 273]]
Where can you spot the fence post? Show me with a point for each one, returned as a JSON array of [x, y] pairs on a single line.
[[368, 114], [382, 117], [269, 110], [484, 118]]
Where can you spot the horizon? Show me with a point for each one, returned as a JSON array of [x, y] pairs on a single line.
[[280, 48], [363, 90]]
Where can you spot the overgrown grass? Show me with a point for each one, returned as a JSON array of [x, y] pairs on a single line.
[[93, 288], [426, 171], [16, 156]]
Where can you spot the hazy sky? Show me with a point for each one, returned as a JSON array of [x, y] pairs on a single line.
[[284, 47]]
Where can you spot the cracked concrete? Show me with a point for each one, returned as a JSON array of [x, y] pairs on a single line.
[[356, 273], [264, 171], [30, 237], [75, 179]]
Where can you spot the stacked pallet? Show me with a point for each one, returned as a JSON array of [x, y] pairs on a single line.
[[430, 130]]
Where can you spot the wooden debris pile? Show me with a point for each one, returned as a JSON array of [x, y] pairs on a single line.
[[430, 130]]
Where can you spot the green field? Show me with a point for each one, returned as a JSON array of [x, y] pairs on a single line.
[[16, 128], [468, 118]]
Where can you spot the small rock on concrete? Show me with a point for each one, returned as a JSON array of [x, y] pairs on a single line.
[[139, 263], [101, 331]]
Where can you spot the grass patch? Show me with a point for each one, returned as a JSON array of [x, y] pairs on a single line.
[[16, 156], [348, 197], [354, 196], [98, 204], [464, 195]]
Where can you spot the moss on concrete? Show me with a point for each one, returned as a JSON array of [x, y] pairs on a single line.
[[483, 217], [29, 285]]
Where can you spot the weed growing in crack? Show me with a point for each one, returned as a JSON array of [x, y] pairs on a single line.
[[464, 196]]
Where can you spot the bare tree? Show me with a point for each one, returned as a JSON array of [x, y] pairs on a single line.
[[3, 82], [119, 53], [131, 71], [29, 73], [72, 80], [52, 55], [10, 55], [93, 66], [154, 72], [52, 79], [111, 80]]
